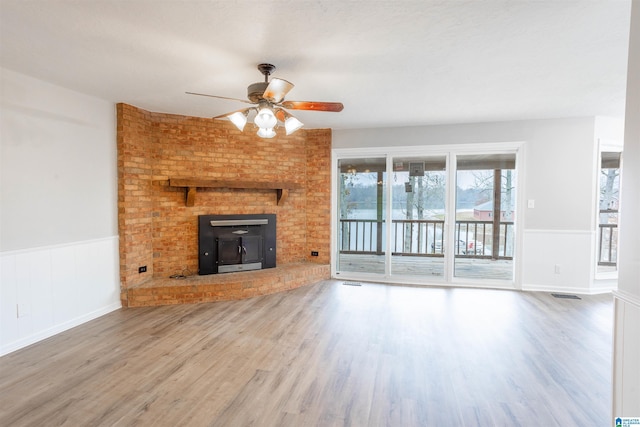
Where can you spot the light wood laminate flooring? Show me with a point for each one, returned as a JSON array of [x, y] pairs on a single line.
[[327, 354]]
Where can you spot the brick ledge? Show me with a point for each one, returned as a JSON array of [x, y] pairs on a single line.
[[224, 287]]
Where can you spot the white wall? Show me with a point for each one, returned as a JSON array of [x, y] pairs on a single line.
[[59, 181], [559, 174], [626, 346], [58, 216]]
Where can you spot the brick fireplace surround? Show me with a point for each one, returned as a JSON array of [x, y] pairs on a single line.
[[158, 230]]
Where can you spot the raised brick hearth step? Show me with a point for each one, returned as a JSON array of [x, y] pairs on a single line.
[[224, 287]]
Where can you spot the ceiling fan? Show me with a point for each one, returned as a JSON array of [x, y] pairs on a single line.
[[270, 109]]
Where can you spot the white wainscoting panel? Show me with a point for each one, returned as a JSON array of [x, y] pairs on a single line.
[[626, 347], [560, 261], [44, 291]]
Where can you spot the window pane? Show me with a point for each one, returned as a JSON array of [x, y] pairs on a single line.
[[418, 214], [485, 210], [608, 212], [361, 213]]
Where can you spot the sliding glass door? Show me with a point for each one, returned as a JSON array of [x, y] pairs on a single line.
[[484, 237], [361, 215], [446, 217], [418, 216]]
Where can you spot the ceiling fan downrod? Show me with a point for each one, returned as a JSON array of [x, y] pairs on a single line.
[[267, 70]]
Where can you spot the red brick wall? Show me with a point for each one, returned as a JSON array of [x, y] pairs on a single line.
[[318, 203], [135, 205], [158, 230]]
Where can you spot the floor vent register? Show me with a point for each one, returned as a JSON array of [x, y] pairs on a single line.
[[566, 296]]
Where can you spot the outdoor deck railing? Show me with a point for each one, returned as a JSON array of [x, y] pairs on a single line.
[[361, 236], [421, 237], [608, 241], [418, 238]]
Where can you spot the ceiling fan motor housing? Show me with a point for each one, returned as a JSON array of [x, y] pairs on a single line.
[[256, 90]]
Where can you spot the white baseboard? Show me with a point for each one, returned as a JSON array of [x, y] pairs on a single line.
[[570, 289], [41, 335]]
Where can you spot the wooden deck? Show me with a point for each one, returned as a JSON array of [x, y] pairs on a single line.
[[472, 268]]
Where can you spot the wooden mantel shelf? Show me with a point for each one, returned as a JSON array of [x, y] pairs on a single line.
[[191, 184]]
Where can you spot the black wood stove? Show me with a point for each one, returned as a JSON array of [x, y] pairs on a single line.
[[228, 243]]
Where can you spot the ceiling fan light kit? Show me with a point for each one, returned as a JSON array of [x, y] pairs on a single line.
[[269, 95], [291, 124], [265, 118], [239, 119], [266, 132]]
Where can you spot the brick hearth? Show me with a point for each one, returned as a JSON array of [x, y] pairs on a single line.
[[158, 221], [225, 287]]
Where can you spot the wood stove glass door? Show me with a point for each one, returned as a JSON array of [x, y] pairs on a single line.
[[251, 249], [229, 251]]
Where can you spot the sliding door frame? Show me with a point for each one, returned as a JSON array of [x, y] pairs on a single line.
[[450, 152]]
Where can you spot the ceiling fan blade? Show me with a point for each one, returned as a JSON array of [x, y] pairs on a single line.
[[335, 107], [225, 115], [277, 90], [219, 97]]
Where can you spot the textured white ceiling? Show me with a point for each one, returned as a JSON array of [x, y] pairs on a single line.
[[392, 63]]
